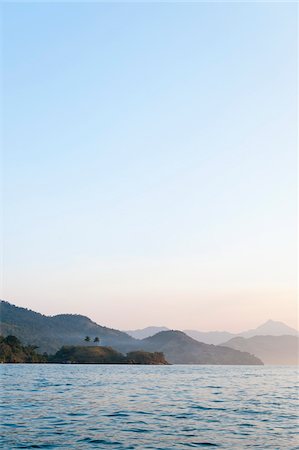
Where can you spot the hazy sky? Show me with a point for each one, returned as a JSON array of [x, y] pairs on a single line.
[[150, 162]]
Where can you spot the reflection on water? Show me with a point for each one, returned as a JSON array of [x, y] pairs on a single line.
[[148, 407]]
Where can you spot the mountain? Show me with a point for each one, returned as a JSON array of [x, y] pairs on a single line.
[[51, 333], [210, 337], [179, 348], [145, 332], [270, 349], [270, 328]]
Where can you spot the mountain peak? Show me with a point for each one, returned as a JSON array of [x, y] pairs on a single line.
[[271, 327], [272, 322], [146, 332]]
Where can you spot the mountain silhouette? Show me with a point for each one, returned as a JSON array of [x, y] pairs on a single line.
[[179, 348], [50, 333], [271, 327], [270, 349], [143, 333]]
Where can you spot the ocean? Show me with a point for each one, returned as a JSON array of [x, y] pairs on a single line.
[[148, 407]]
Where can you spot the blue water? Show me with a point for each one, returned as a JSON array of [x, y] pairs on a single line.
[[148, 407]]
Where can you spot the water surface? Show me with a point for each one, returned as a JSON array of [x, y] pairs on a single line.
[[148, 407]]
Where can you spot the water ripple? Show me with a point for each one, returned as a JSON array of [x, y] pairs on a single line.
[[148, 407]]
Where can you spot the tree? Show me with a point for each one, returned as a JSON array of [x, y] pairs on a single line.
[[87, 339], [13, 341], [96, 340]]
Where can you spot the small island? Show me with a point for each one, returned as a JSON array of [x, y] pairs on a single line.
[[13, 351]]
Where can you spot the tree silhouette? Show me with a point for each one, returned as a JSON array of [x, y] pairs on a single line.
[[87, 339], [96, 340]]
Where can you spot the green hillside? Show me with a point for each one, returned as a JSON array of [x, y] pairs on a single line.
[[51, 333], [12, 351], [104, 355]]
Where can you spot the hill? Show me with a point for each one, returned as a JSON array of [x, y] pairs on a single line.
[[271, 349], [12, 351], [51, 333], [143, 333], [179, 348], [104, 355]]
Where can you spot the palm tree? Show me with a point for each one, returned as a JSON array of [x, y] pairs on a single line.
[[87, 339], [96, 340]]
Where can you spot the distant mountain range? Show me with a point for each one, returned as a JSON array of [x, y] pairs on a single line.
[[270, 349], [273, 342], [51, 333], [270, 328], [145, 332]]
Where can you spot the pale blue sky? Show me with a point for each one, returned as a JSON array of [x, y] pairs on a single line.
[[150, 162]]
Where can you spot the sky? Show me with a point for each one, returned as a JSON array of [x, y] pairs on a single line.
[[149, 162]]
